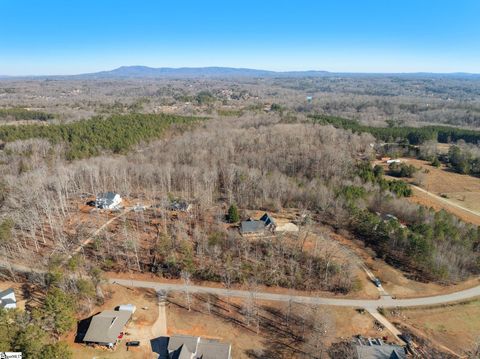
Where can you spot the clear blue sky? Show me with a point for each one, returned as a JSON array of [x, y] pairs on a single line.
[[76, 36]]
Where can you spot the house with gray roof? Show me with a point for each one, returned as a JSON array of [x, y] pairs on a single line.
[[7, 299], [258, 227], [191, 347], [251, 226], [106, 327], [108, 200], [368, 348]]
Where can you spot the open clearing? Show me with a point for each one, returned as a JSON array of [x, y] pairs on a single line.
[[227, 325], [460, 190], [455, 326]]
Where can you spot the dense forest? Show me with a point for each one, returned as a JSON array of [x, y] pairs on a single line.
[[90, 137], [259, 163], [405, 134], [16, 114]]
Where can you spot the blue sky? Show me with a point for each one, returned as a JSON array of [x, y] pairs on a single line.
[[68, 36]]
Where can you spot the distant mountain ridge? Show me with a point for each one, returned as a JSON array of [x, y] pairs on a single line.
[[145, 72], [212, 71]]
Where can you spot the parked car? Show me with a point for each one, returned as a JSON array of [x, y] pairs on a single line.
[[133, 343]]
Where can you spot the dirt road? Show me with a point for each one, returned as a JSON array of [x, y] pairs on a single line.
[[445, 201]]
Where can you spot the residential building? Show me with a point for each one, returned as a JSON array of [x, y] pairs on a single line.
[[106, 328], [7, 299], [191, 347], [108, 200]]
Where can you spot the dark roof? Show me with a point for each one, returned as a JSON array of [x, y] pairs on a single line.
[[386, 351], [6, 292], [252, 226], [6, 301], [210, 349], [267, 219], [107, 326]]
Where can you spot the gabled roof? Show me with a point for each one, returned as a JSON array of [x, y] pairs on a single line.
[[7, 292], [386, 351], [209, 349], [188, 347], [188, 341], [252, 226], [107, 326], [267, 219], [7, 297]]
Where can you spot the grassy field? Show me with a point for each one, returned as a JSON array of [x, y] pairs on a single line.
[[456, 326], [460, 190]]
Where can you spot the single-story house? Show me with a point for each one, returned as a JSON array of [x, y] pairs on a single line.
[[190, 347], [7, 299], [106, 327], [266, 223], [251, 226], [108, 200], [377, 349]]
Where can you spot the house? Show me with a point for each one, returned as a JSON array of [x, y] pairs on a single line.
[[251, 226], [265, 223], [368, 348], [7, 299], [108, 200], [257, 227], [191, 347], [181, 206], [106, 328]]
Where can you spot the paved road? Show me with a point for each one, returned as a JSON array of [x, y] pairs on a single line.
[[385, 302]]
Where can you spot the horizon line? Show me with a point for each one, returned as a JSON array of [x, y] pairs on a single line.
[[244, 68]]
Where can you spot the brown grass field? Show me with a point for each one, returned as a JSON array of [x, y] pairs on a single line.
[[460, 190], [455, 327]]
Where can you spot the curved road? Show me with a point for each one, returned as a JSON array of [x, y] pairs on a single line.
[[385, 302]]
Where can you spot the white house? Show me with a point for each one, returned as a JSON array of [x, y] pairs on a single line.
[[108, 200], [7, 299]]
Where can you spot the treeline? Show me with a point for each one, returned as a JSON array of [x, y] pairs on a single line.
[[412, 135], [435, 246], [462, 161], [432, 246], [89, 138], [37, 330], [18, 113], [375, 176]]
